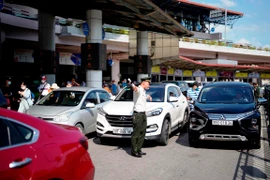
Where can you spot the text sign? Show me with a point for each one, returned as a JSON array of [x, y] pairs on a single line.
[[215, 14]]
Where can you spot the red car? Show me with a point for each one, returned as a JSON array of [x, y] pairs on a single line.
[[34, 149]]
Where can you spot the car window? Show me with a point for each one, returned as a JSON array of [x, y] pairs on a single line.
[[62, 98], [173, 91], [224, 94], [92, 97], [12, 133], [103, 96], [157, 93]]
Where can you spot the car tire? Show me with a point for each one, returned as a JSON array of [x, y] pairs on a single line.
[[80, 127], [165, 133], [184, 127]]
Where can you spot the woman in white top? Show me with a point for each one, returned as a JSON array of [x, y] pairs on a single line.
[[25, 100]]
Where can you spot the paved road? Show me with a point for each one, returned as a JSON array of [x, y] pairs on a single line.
[[178, 161]]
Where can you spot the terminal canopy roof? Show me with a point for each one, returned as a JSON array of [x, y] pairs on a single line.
[[190, 9], [185, 63], [142, 15]]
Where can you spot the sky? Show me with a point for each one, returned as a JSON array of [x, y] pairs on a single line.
[[253, 28]]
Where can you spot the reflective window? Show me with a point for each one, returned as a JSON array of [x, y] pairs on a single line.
[[12, 133], [62, 98], [103, 96], [224, 94]]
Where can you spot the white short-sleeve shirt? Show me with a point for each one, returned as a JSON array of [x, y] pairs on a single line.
[[140, 100]]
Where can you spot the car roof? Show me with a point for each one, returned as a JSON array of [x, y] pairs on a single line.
[[162, 84], [227, 83], [78, 88]]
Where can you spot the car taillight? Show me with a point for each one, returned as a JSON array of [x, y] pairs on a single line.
[[84, 142]]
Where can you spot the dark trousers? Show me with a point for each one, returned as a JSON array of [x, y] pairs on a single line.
[[139, 130]]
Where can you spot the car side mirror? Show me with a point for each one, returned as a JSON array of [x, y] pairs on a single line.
[[262, 101], [112, 98], [90, 105], [173, 99]]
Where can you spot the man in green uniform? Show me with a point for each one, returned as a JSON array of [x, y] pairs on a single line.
[[256, 91], [139, 116]]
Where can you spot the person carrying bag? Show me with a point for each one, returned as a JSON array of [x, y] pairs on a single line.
[[25, 100]]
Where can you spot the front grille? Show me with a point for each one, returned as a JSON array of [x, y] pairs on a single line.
[[225, 116], [120, 121]]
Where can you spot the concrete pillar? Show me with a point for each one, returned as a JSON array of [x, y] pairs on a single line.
[[116, 70], [46, 37], [94, 21], [46, 33], [142, 49]]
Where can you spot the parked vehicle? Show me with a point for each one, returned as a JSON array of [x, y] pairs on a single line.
[[76, 106], [182, 85], [34, 149], [3, 101], [165, 114], [225, 111]]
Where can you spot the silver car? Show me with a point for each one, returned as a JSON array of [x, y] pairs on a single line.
[[76, 106]]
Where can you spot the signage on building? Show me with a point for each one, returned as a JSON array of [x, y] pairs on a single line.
[[211, 74], [1, 4], [23, 55], [241, 75], [198, 73], [171, 71], [69, 59], [254, 75], [85, 29], [187, 73], [163, 70], [226, 74], [214, 14], [178, 72], [155, 70], [265, 75]]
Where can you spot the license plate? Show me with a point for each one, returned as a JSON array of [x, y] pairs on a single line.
[[222, 123], [122, 131]]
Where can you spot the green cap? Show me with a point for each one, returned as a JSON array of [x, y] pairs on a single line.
[[148, 79]]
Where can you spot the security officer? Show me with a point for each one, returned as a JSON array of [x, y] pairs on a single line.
[[139, 116]]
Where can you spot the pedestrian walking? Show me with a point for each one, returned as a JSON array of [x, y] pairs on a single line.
[[139, 116], [25, 98], [257, 92]]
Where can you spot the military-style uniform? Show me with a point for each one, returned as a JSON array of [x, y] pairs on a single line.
[[139, 120]]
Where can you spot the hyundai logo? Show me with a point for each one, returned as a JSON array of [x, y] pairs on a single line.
[[222, 117], [122, 118]]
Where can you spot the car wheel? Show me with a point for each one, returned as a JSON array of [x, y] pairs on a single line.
[[80, 127], [184, 128], [165, 133]]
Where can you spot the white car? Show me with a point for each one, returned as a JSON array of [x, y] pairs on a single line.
[[165, 113], [75, 106]]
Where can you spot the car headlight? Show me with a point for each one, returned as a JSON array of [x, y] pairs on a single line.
[[102, 112], [62, 117], [154, 112]]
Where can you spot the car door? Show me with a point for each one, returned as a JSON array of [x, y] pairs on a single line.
[[174, 106], [89, 115], [18, 158]]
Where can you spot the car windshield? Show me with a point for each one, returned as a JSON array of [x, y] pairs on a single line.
[[157, 94], [62, 98], [225, 94]]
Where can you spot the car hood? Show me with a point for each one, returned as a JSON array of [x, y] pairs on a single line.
[[39, 110], [126, 107], [224, 108]]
